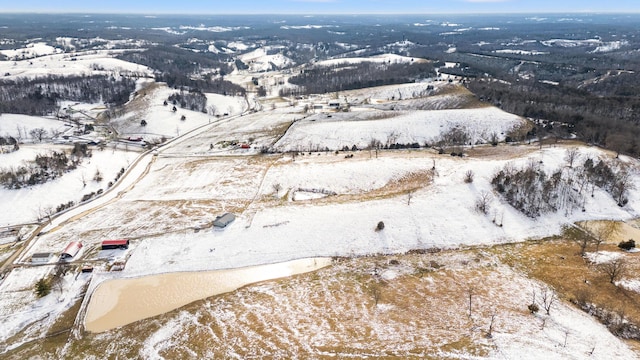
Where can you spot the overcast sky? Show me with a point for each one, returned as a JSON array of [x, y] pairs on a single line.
[[318, 6]]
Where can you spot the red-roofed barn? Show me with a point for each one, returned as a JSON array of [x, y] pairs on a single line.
[[115, 244]]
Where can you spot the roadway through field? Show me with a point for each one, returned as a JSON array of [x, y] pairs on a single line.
[[132, 176]]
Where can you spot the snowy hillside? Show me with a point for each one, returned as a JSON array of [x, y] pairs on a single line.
[[346, 129], [98, 62], [363, 179]]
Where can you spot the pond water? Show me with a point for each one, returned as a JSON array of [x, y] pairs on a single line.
[[119, 302]]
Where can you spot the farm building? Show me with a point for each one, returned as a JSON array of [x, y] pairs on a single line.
[[222, 221], [115, 244], [71, 250], [41, 258]]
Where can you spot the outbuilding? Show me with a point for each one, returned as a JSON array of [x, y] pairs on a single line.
[[115, 244], [41, 258], [71, 250], [222, 221]]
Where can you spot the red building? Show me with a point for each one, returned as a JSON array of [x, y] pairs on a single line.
[[115, 244], [71, 250]]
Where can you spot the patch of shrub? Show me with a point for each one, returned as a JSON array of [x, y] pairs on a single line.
[[627, 245]]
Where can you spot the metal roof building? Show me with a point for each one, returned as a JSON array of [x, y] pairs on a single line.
[[41, 258], [223, 220], [71, 250], [115, 244]]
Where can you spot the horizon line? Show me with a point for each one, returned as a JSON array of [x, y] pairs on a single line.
[[548, 12]]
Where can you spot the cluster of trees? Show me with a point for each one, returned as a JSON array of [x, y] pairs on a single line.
[[533, 192], [613, 178], [41, 96], [9, 141], [204, 84], [324, 79], [193, 100], [44, 168]]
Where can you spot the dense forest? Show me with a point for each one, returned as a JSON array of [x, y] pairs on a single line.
[[181, 68], [612, 121], [41, 96], [323, 79]]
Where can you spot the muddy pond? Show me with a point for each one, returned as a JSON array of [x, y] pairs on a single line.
[[119, 302]]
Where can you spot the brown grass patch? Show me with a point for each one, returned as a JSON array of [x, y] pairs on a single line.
[[557, 262], [401, 186]]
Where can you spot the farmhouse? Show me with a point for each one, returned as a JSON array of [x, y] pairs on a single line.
[[222, 221], [71, 250], [41, 258], [115, 244]]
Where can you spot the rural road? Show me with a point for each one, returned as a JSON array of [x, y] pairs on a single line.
[[133, 174]]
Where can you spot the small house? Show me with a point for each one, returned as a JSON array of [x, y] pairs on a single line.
[[71, 250], [41, 258], [222, 221], [115, 244]]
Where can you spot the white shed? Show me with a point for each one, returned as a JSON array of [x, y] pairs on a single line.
[[41, 258]]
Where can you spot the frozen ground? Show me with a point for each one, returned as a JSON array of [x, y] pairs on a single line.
[[166, 203]]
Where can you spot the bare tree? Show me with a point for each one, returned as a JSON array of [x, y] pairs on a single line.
[[55, 132], [622, 184], [548, 299], [374, 144], [471, 290], [491, 323], [276, 189], [409, 197], [468, 176], [38, 134], [57, 277], [580, 236], [583, 241], [571, 156], [533, 307], [602, 231], [483, 203], [21, 132], [614, 269]]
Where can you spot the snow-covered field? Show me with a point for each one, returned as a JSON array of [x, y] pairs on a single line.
[[162, 121], [320, 131], [31, 203], [96, 62], [169, 197]]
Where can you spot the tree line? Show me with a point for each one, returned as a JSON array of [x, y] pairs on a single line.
[[180, 68], [339, 77], [45, 167], [41, 96], [610, 121]]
